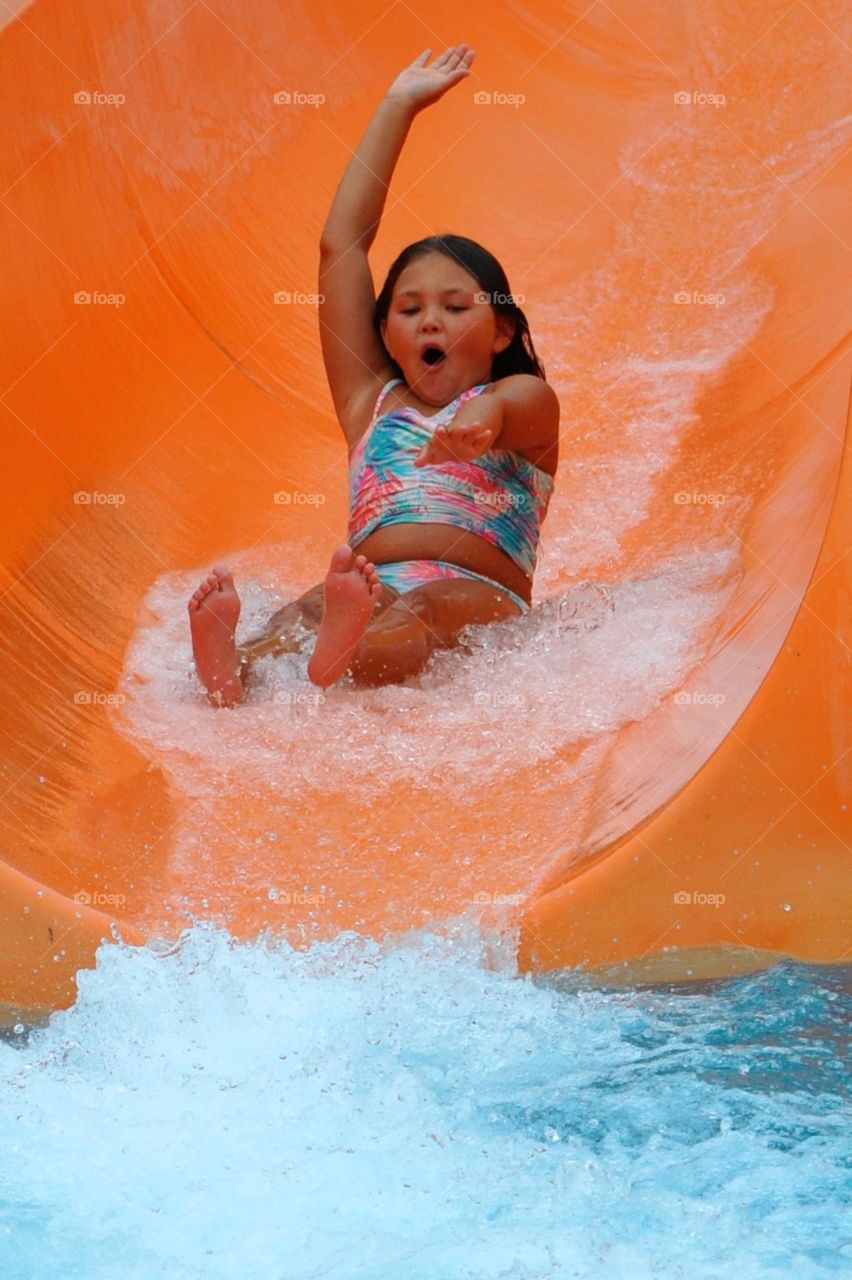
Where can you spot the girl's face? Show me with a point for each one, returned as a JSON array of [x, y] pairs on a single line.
[[441, 329]]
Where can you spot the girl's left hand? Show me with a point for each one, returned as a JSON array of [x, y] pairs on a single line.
[[422, 83], [456, 442]]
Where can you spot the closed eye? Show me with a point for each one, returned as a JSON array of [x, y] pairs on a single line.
[[410, 311]]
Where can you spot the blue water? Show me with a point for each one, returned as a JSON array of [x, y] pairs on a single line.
[[416, 1110]]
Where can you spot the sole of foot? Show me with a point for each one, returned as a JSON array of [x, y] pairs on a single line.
[[214, 611], [352, 591]]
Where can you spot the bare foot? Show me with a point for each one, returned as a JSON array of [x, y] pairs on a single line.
[[352, 591], [213, 613]]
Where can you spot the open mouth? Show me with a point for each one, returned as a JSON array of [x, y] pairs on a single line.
[[433, 355]]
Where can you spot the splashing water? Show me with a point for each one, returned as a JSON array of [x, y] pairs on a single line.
[[415, 1109]]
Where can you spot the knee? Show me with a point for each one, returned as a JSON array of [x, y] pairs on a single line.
[[311, 604], [390, 650]]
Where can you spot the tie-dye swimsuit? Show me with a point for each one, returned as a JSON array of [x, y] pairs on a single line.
[[500, 496]]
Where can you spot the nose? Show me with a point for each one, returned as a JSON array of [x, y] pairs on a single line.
[[430, 319]]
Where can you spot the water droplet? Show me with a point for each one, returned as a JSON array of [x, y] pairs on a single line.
[[273, 894], [785, 906]]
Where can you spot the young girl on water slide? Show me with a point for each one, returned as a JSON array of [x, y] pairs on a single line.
[[452, 433]]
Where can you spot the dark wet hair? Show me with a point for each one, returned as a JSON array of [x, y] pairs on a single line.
[[519, 356]]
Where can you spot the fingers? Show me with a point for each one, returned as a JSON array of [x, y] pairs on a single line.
[[463, 431], [459, 53]]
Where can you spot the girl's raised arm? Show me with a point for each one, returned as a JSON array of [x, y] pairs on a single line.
[[352, 351]]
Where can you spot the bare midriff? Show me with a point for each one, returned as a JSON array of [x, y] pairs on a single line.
[[415, 541]]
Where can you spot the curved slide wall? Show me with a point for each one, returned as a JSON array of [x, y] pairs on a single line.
[[667, 188]]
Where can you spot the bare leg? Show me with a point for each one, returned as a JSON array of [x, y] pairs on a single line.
[[352, 591], [398, 644], [214, 611], [224, 666]]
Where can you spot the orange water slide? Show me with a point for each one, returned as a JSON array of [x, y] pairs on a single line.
[[667, 186]]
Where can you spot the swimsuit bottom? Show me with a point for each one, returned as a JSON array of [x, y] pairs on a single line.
[[404, 575]]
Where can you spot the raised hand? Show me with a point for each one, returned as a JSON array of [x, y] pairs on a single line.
[[456, 442], [420, 84]]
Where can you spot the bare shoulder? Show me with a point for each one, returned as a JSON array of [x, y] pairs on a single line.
[[530, 419], [529, 393]]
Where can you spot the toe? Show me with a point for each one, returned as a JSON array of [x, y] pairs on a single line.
[[342, 559]]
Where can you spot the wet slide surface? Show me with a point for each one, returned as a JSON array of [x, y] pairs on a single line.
[[662, 793]]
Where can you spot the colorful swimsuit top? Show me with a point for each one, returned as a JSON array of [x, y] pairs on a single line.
[[500, 496]]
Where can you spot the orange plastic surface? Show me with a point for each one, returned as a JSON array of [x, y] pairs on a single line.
[[147, 163]]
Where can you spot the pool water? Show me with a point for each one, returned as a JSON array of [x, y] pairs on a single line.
[[415, 1109]]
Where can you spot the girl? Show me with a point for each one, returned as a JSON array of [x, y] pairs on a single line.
[[452, 434]]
